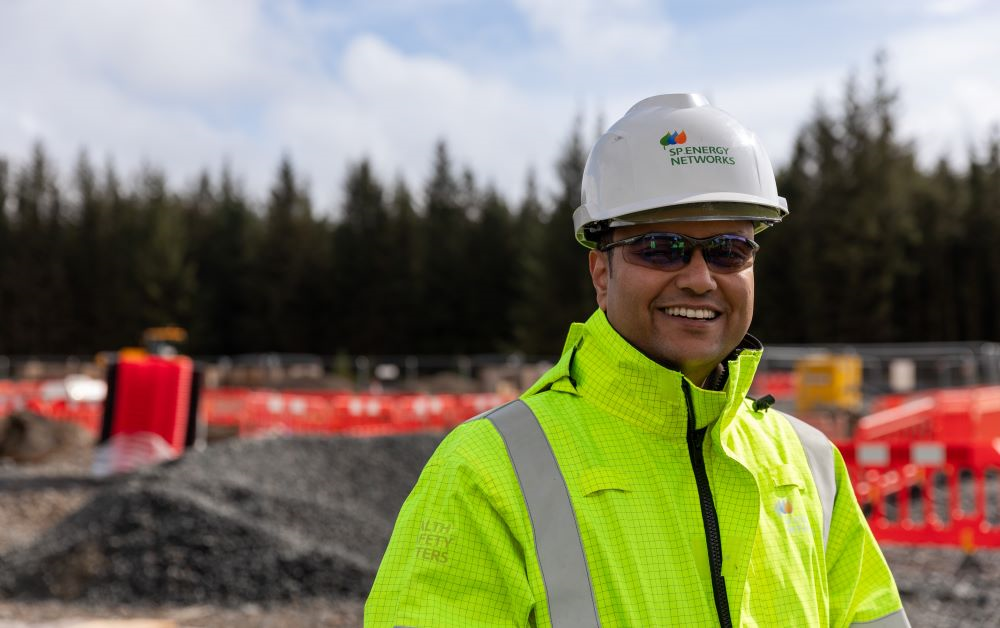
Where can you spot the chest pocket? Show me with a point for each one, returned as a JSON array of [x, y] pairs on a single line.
[[786, 477], [597, 480]]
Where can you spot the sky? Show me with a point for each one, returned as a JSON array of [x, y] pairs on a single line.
[[195, 85]]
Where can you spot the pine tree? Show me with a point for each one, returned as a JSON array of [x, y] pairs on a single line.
[[86, 266], [166, 272], [364, 262], [405, 253], [930, 292], [225, 251], [289, 241], [39, 304], [123, 311], [444, 261], [978, 273], [557, 283], [493, 246]]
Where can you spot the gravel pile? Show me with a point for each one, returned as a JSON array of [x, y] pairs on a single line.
[[253, 520]]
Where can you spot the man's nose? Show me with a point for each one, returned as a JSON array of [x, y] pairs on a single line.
[[696, 275]]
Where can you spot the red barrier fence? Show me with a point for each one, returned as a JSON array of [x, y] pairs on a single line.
[[85, 414], [928, 492], [253, 411]]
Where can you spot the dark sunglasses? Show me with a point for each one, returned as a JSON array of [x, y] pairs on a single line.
[[672, 251]]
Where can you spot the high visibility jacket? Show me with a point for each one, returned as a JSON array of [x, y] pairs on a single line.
[[687, 507]]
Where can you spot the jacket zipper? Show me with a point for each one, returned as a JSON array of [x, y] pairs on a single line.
[[710, 519]]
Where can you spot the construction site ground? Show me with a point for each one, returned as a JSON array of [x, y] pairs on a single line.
[[278, 531]]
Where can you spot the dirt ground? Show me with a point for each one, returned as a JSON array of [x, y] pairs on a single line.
[[63, 615]]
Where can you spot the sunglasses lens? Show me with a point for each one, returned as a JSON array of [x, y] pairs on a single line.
[[728, 253], [670, 251], [658, 250]]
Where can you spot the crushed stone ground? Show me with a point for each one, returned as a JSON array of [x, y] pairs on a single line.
[[270, 520], [283, 531]]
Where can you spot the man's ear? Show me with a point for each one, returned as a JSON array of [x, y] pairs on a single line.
[[599, 274]]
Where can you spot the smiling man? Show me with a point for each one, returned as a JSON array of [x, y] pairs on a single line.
[[635, 484]]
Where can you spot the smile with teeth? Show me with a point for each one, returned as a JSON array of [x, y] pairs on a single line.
[[696, 313]]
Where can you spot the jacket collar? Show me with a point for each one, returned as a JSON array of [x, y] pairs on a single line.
[[601, 366]]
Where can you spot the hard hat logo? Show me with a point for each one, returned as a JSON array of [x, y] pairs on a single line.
[[687, 155], [673, 138]]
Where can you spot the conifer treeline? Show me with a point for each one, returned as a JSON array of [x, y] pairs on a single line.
[[875, 249], [453, 269]]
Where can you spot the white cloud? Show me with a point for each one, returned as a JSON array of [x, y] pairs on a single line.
[[190, 85], [393, 108], [949, 86], [186, 84], [144, 82], [952, 7], [765, 106], [604, 32]]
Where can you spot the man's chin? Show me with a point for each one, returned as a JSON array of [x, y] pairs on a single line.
[[695, 365]]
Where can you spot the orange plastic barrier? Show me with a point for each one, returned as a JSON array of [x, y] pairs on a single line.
[[17, 395], [359, 410], [86, 415], [928, 492], [425, 411], [254, 411], [779, 384], [960, 415], [278, 412], [225, 406], [907, 420], [355, 414]]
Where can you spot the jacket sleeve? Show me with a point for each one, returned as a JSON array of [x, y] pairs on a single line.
[[862, 589], [454, 558]]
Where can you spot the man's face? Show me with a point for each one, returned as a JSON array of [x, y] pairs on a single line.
[[641, 303]]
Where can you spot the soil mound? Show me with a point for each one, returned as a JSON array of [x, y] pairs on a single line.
[[29, 438], [251, 520]]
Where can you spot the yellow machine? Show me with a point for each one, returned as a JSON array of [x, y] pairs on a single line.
[[828, 381], [162, 341]]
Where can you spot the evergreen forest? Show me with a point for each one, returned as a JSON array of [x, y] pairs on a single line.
[[876, 249]]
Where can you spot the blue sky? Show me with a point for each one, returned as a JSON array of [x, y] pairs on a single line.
[[188, 84]]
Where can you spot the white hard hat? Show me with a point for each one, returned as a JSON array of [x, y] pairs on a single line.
[[675, 157]]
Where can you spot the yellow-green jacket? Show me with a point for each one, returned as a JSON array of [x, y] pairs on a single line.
[[465, 551]]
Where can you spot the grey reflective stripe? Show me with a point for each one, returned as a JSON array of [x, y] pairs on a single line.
[[893, 620], [819, 455], [557, 537]]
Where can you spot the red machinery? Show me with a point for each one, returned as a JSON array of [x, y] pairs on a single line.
[[154, 395]]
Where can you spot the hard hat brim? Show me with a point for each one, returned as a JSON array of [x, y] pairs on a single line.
[[703, 207]]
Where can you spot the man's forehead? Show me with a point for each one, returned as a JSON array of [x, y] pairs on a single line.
[[693, 228]]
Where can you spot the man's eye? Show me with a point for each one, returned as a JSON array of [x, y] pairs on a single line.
[[661, 253]]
